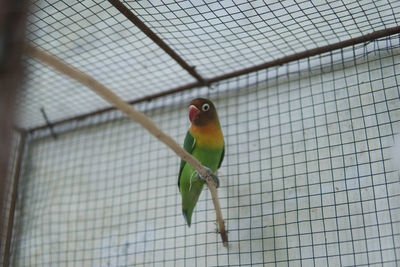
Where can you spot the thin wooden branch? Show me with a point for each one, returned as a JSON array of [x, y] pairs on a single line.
[[137, 116]]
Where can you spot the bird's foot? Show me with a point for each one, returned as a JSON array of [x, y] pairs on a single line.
[[215, 178]]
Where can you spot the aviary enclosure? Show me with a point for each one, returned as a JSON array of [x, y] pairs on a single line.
[[307, 94]]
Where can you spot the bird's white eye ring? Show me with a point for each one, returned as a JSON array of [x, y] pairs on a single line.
[[205, 107]]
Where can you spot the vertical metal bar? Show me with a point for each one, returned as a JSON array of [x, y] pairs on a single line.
[[12, 35], [14, 194]]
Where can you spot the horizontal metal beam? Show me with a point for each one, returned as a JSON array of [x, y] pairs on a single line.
[[277, 62], [309, 53]]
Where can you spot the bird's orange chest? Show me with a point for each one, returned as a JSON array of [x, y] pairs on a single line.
[[209, 135]]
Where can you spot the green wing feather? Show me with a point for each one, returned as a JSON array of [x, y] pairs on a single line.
[[188, 145], [222, 157], [191, 189]]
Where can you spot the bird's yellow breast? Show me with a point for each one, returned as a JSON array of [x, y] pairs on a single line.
[[209, 135]]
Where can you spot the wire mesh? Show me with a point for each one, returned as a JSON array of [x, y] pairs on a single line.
[[223, 36], [8, 192], [216, 37], [98, 40], [307, 178]]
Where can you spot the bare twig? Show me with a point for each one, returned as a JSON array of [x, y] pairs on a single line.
[[137, 116]]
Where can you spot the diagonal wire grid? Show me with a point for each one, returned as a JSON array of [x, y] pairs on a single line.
[[221, 36], [307, 179], [215, 37]]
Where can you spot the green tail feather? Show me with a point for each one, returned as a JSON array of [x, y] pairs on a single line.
[[189, 200], [188, 219]]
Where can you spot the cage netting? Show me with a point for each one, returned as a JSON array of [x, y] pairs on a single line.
[[308, 177]]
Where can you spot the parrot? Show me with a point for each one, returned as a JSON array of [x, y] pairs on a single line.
[[205, 141]]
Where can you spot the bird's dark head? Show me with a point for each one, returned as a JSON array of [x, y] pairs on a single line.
[[202, 111]]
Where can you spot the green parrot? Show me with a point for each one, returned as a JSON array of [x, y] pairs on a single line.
[[204, 141]]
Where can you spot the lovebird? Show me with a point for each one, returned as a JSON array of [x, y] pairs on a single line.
[[204, 141]]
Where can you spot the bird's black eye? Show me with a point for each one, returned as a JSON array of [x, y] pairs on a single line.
[[205, 107]]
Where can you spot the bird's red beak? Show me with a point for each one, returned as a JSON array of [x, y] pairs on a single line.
[[193, 112]]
